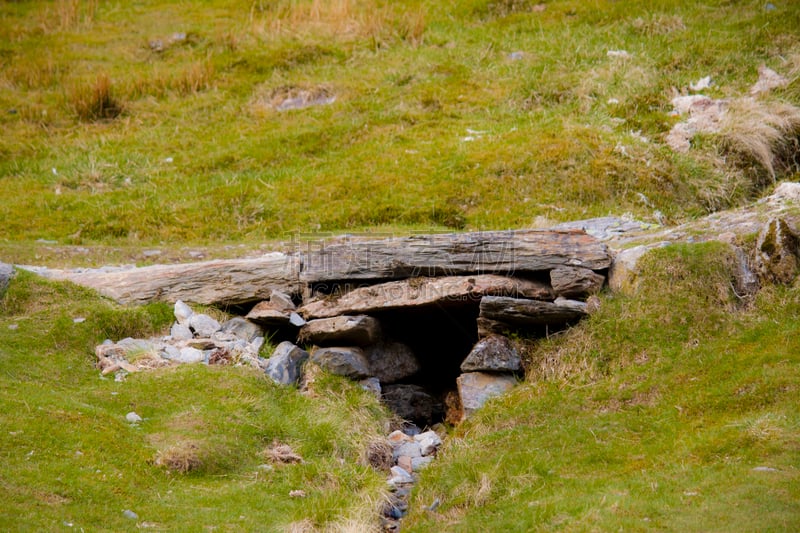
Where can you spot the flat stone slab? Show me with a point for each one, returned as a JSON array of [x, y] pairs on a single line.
[[359, 330], [419, 292]]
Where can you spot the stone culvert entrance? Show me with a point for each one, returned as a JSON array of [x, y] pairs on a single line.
[[422, 320]]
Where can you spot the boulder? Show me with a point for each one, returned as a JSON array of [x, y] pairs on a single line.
[[189, 355], [242, 328], [412, 402], [371, 385], [494, 353], [776, 256], [281, 301], [500, 313], [476, 388], [391, 362], [360, 330], [349, 362], [285, 364], [575, 282], [6, 272]]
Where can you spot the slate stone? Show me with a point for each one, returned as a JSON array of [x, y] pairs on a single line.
[[242, 328], [494, 353], [285, 364], [180, 332], [359, 330], [349, 362]]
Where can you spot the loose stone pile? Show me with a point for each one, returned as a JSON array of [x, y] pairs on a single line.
[[193, 338], [410, 454]]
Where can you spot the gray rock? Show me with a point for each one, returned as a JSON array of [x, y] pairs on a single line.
[[242, 328], [400, 476], [180, 332], [392, 361], [361, 330], [777, 249], [127, 513], [605, 228], [476, 388], [429, 442], [348, 362], [296, 320], [133, 418], [136, 346], [6, 273], [494, 353], [170, 352], [281, 301], [408, 449], [745, 280], [203, 325], [412, 402], [418, 463], [182, 313], [189, 355], [264, 314], [372, 385], [574, 305], [285, 364]]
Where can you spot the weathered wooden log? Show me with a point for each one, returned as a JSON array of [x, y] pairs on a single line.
[[220, 282], [419, 292], [523, 312], [491, 252], [575, 282]]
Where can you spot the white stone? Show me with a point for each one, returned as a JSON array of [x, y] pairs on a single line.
[[203, 325], [399, 475], [418, 463], [133, 418], [182, 313], [180, 332], [189, 355], [409, 449], [428, 442]]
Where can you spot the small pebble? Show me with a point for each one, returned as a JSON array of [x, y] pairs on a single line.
[[130, 514], [79, 320], [298, 494], [133, 418], [13, 326]]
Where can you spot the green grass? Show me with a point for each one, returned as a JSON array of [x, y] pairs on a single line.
[[410, 79], [652, 415], [649, 416], [70, 457]]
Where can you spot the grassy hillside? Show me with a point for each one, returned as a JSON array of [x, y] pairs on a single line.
[[198, 460], [670, 410], [154, 122], [157, 124]]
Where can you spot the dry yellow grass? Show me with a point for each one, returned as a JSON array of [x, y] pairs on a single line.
[[762, 133]]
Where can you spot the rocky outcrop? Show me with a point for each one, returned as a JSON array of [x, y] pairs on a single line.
[[776, 254]]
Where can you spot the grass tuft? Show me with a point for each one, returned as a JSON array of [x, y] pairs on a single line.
[[182, 457], [94, 101], [762, 135]]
